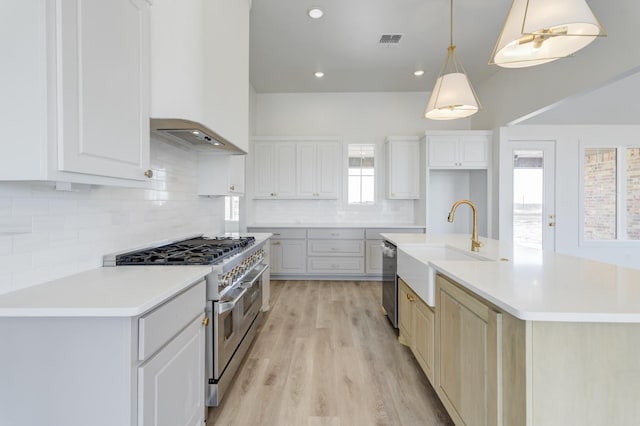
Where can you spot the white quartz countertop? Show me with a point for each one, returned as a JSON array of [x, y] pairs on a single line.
[[122, 291], [334, 225], [534, 284]]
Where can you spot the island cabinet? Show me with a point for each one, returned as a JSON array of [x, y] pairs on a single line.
[[467, 355], [495, 369], [75, 93], [416, 322]]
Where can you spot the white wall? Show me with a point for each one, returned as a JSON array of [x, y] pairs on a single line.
[[567, 179], [355, 118], [73, 230]]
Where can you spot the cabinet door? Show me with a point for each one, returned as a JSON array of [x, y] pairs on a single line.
[[306, 168], [235, 174], [443, 151], [403, 171], [264, 163], [171, 385], [327, 169], [373, 252], [405, 307], [423, 334], [289, 256], [467, 358], [317, 169], [474, 152], [103, 125], [274, 165], [285, 169]]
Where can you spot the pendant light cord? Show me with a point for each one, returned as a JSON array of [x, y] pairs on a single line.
[[451, 26]]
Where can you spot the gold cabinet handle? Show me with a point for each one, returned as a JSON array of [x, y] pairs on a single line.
[[232, 187], [205, 321], [149, 173], [410, 298]]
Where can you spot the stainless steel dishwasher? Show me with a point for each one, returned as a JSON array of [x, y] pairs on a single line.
[[390, 282]]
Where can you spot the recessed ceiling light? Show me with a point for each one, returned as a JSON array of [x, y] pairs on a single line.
[[319, 74], [418, 73], [315, 13]]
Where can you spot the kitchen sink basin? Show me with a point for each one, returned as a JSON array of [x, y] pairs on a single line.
[[414, 268]]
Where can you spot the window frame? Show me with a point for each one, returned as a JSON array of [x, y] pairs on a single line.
[[621, 199], [376, 165]]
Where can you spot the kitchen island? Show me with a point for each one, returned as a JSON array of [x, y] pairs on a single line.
[[528, 337]]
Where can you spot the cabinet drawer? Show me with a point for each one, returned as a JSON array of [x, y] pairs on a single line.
[[335, 233], [282, 233], [374, 233], [335, 248], [160, 325], [335, 266]]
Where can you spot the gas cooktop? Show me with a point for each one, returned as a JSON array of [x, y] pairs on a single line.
[[194, 251]]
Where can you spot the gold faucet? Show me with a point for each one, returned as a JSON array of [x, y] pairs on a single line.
[[475, 242]]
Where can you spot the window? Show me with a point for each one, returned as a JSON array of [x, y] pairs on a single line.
[[361, 183], [231, 214], [611, 193]]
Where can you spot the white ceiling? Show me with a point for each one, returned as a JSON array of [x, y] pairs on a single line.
[[287, 47]]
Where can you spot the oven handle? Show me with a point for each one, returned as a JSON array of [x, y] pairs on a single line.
[[229, 305], [249, 284]]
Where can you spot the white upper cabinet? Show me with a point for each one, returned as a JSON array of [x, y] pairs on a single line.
[[75, 103], [296, 169], [403, 168], [274, 169], [459, 149], [317, 165], [221, 174]]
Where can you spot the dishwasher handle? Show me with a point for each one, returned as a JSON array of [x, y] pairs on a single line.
[[388, 250]]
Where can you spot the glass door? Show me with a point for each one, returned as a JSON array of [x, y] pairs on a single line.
[[533, 194]]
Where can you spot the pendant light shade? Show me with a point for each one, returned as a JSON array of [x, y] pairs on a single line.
[[540, 31], [453, 95]]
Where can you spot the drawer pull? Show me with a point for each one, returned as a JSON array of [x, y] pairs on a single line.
[[205, 321], [410, 298]]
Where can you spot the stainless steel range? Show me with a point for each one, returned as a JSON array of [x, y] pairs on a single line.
[[234, 295]]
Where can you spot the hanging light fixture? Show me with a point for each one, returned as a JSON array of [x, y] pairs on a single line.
[[452, 96], [540, 31]]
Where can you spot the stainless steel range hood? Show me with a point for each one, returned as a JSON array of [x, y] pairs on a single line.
[[193, 135]]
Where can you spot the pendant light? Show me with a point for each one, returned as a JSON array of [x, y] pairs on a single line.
[[452, 96], [540, 31]]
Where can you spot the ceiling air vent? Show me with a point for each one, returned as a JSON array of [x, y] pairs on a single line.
[[389, 39]]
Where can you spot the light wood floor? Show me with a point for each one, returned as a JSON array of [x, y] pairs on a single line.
[[327, 356]]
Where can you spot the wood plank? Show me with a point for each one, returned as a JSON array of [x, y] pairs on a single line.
[[326, 355]]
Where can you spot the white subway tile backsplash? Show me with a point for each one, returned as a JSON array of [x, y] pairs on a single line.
[[72, 230]]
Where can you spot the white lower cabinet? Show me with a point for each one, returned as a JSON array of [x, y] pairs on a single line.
[[373, 255], [170, 385], [107, 371], [288, 256], [327, 253]]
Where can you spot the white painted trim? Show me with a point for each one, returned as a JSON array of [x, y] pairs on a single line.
[[621, 164]]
